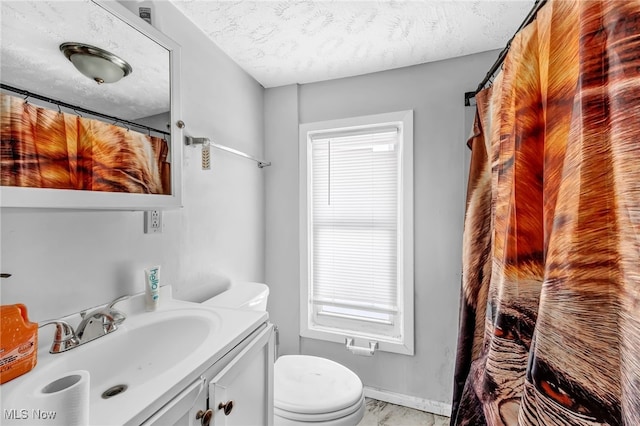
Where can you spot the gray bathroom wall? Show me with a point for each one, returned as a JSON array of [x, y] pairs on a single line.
[[281, 189], [63, 261], [435, 92]]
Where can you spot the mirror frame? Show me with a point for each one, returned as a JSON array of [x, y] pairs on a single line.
[[11, 196]]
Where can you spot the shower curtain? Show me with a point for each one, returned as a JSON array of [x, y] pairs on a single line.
[[550, 310], [43, 148]]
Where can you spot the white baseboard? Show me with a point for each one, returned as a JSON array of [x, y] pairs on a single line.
[[435, 407]]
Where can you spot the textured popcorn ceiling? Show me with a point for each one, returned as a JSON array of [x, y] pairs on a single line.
[[284, 42]]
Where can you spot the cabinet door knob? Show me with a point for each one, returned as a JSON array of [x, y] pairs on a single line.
[[226, 407], [205, 417]]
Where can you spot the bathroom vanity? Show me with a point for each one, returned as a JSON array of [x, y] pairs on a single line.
[[236, 390], [184, 364]]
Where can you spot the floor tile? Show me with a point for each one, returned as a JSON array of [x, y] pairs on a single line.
[[380, 413]]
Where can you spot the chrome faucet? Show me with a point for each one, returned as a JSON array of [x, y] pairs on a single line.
[[64, 338], [94, 324], [100, 322]]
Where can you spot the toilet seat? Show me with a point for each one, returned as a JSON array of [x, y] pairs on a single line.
[[343, 416], [313, 389]]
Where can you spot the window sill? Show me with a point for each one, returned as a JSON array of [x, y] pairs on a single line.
[[385, 344]]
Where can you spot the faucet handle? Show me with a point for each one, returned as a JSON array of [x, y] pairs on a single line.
[[117, 316], [64, 338], [119, 299]]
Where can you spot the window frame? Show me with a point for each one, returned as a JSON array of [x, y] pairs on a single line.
[[404, 344]]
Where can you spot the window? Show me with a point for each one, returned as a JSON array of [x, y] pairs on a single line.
[[357, 230]]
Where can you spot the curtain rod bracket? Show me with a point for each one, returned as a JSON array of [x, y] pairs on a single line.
[[467, 98]]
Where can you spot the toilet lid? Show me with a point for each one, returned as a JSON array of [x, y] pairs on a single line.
[[312, 385]]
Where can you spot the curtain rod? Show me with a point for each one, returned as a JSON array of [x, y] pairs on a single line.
[[77, 108], [503, 54]]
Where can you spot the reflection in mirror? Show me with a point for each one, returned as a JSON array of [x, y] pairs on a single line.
[[60, 128], [32, 32]]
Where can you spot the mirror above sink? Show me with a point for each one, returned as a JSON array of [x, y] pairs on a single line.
[[31, 61]]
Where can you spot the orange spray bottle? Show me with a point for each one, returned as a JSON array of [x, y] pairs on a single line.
[[18, 342]]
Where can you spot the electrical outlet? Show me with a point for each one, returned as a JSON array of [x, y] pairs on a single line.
[[153, 221]]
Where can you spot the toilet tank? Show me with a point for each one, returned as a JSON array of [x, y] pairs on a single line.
[[247, 295]]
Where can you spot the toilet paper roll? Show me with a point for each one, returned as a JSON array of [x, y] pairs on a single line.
[[356, 350], [64, 401]]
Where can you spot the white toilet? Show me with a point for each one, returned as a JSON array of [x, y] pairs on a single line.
[[307, 389]]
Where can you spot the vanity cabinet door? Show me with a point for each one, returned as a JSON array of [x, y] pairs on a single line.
[[242, 393], [183, 409]]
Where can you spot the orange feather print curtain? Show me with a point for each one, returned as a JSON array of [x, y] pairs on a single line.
[[43, 148], [550, 310]]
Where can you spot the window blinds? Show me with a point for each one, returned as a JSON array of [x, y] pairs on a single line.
[[354, 219]]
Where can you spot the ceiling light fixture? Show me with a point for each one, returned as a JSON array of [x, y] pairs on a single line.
[[96, 63]]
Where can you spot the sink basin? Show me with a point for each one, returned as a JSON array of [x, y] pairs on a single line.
[[136, 353], [140, 366]]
